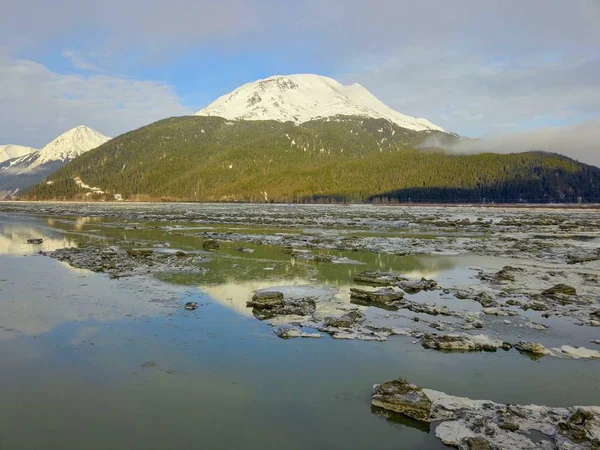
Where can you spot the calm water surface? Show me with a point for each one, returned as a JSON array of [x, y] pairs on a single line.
[[88, 362]]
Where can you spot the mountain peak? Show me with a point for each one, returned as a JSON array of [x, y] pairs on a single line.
[[31, 167], [71, 144], [303, 97], [11, 151]]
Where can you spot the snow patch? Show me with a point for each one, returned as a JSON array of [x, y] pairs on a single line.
[[81, 184]]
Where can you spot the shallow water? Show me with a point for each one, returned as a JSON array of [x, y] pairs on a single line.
[[90, 362]]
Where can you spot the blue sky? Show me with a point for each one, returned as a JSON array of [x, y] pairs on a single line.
[[476, 67]]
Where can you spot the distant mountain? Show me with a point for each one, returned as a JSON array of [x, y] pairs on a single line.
[[22, 172], [12, 151], [300, 98], [338, 158]]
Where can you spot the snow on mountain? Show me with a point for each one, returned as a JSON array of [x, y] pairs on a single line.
[[14, 151], [300, 98], [19, 173], [64, 148], [70, 145]]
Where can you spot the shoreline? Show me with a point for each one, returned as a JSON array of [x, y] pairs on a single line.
[[590, 206]]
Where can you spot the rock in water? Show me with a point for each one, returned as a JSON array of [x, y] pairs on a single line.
[[381, 297], [293, 332], [461, 342], [577, 352], [495, 312], [532, 347], [266, 299], [210, 244], [395, 279], [324, 258], [402, 397], [35, 241], [120, 264], [379, 278], [190, 306], [480, 424], [478, 443], [348, 320], [270, 304], [560, 289], [414, 287], [506, 274]]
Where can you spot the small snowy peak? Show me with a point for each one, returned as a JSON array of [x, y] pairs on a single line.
[[70, 145], [12, 151], [22, 172], [300, 98]]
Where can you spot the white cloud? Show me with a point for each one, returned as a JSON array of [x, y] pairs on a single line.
[[328, 29], [581, 142], [468, 94], [154, 25], [471, 66], [38, 104]]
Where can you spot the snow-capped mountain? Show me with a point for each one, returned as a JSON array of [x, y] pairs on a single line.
[[14, 151], [24, 171], [68, 145], [300, 98]]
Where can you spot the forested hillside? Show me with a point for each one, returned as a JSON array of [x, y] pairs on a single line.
[[339, 159]]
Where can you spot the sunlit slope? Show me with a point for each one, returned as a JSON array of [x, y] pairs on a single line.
[[343, 158]]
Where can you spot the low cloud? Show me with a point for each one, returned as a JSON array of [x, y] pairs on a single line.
[[580, 142], [38, 104]]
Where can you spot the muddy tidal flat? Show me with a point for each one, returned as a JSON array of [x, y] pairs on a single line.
[[153, 326]]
